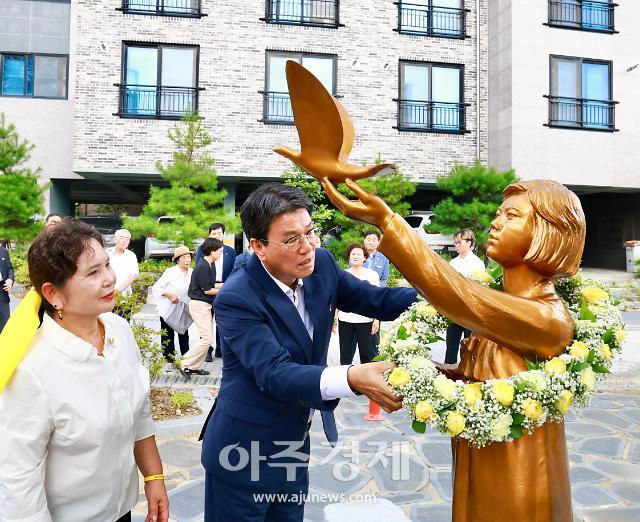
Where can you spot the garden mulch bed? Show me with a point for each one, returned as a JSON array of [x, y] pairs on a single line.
[[163, 408]]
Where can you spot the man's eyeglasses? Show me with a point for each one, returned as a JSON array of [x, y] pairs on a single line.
[[295, 242]]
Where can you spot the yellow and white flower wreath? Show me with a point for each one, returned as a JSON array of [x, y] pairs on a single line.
[[501, 410]]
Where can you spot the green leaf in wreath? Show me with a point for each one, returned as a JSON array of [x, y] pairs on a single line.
[[592, 354], [532, 365], [520, 386], [598, 368], [419, 427], [381, 357], [570, 367], [516, 432], [577, 367], [609, 337], [518, 419], [616, 302], [495, 286], [585, 313], [495, 272], [402, 333]]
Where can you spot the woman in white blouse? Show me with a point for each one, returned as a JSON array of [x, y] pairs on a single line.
[[352, 325], [75, 422], [171, 288]]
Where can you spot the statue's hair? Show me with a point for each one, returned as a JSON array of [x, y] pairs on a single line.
[[559, 227]]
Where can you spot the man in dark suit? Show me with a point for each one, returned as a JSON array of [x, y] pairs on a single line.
[[221, 270], [274, 315], [6, 283]]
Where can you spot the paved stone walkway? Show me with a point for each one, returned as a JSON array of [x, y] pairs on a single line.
[[387, 459]]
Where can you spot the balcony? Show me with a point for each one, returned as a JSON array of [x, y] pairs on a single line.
[[582, 16], [581, 113], [314, 13], [153, 102], [430, 116], [181, 8], [277, 108], [423, 20]]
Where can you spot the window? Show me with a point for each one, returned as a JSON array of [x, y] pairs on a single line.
[[321, 13], [35, 75], [444, 18], [159, 81], [184, 8], [580, 94], [431, 97], [277, 105], [586, 15]]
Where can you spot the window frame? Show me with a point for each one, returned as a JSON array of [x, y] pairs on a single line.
[[462, 104], [126, 10], [581, 60], [287, 54], [429, 33], [123, 71], [269, 20], [33, 55], [566, 25]]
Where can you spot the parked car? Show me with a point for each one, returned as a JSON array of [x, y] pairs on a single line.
[[418, 219], [158, 249], [107, 226]]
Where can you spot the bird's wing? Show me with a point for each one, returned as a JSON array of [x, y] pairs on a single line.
[[317, 118], [348, 132]]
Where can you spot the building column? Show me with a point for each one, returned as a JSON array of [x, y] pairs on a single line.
[[60, 197]]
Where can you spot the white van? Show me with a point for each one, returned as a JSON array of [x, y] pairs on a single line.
[[417, 219]]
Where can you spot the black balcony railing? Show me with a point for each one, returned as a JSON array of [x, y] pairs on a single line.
[[431, 116], [151, 101], [277, 108], [427, 20], [184, 8], [584, 15], [319, 13], [581, 113]]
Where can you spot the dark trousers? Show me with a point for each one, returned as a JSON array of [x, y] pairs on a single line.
[[454, 334], [362, 334], [4, 313], [169, 344], [210, 351], [126, 518]]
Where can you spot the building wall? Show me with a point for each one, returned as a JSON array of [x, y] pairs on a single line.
[[232, 42]]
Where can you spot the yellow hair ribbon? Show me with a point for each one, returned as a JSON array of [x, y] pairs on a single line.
[[17, 335]]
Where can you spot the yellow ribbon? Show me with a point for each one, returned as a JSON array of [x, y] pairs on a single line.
[[17, 335]]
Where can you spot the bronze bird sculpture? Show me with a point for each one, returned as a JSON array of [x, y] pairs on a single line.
[[325, 130]]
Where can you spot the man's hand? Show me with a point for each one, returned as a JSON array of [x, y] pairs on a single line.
[[368, 208], [8, 285], [375, 326], [367, 379], [158, 502]]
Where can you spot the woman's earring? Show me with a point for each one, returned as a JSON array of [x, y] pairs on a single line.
[[59, 310]]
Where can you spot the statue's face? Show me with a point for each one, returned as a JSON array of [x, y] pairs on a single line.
[[511, 231]]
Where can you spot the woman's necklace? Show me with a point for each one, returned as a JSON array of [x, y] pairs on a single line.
[[100, 345]]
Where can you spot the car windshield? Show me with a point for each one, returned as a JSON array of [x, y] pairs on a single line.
[[414, 221]]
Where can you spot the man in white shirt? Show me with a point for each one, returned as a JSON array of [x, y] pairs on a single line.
[[123, 261]]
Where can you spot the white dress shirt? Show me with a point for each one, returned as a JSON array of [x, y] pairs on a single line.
[[467, 265], [124, 265], [333, 380], [372, 277], [173, 281], [68, 423], [218, 263]]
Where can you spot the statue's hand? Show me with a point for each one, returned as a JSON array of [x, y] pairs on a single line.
[[368, 208], [450, 370]]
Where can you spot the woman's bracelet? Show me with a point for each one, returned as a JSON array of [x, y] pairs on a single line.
[[153, 477]]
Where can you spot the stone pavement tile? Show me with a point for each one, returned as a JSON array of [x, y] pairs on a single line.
[[575, 458], [634, 454], [611, 447], [610, 419], [341, 476], [585, 428], [180, 453], [382, 439], [618, 469], [441, 480], [592, 496], [376, 510], [431, 513], [585, 475], [410, 498], [630, 413], [352, 420], [613, 515], [398, 472], [187, 502], [404, 427], [628, 490], [435, 454]]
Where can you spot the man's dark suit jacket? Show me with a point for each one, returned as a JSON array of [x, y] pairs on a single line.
[[6, 269], [271, 367]]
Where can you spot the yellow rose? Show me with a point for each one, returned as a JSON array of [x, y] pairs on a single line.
[[425, 309], [445, 387], [579, 350], [424, 411], [593, 294], [532, 409], [563, 403], [482, 276], [399, 377], [605, 351], [588, 378], [535, 380], [420, 363], [402, 344], [455, 423], [503, 392], [555, 365], [620, 335], [408, 326], [472, 393], [501, 427]]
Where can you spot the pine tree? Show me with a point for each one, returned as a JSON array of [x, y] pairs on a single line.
[[476, 194], [192, 198], [21, 197]]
